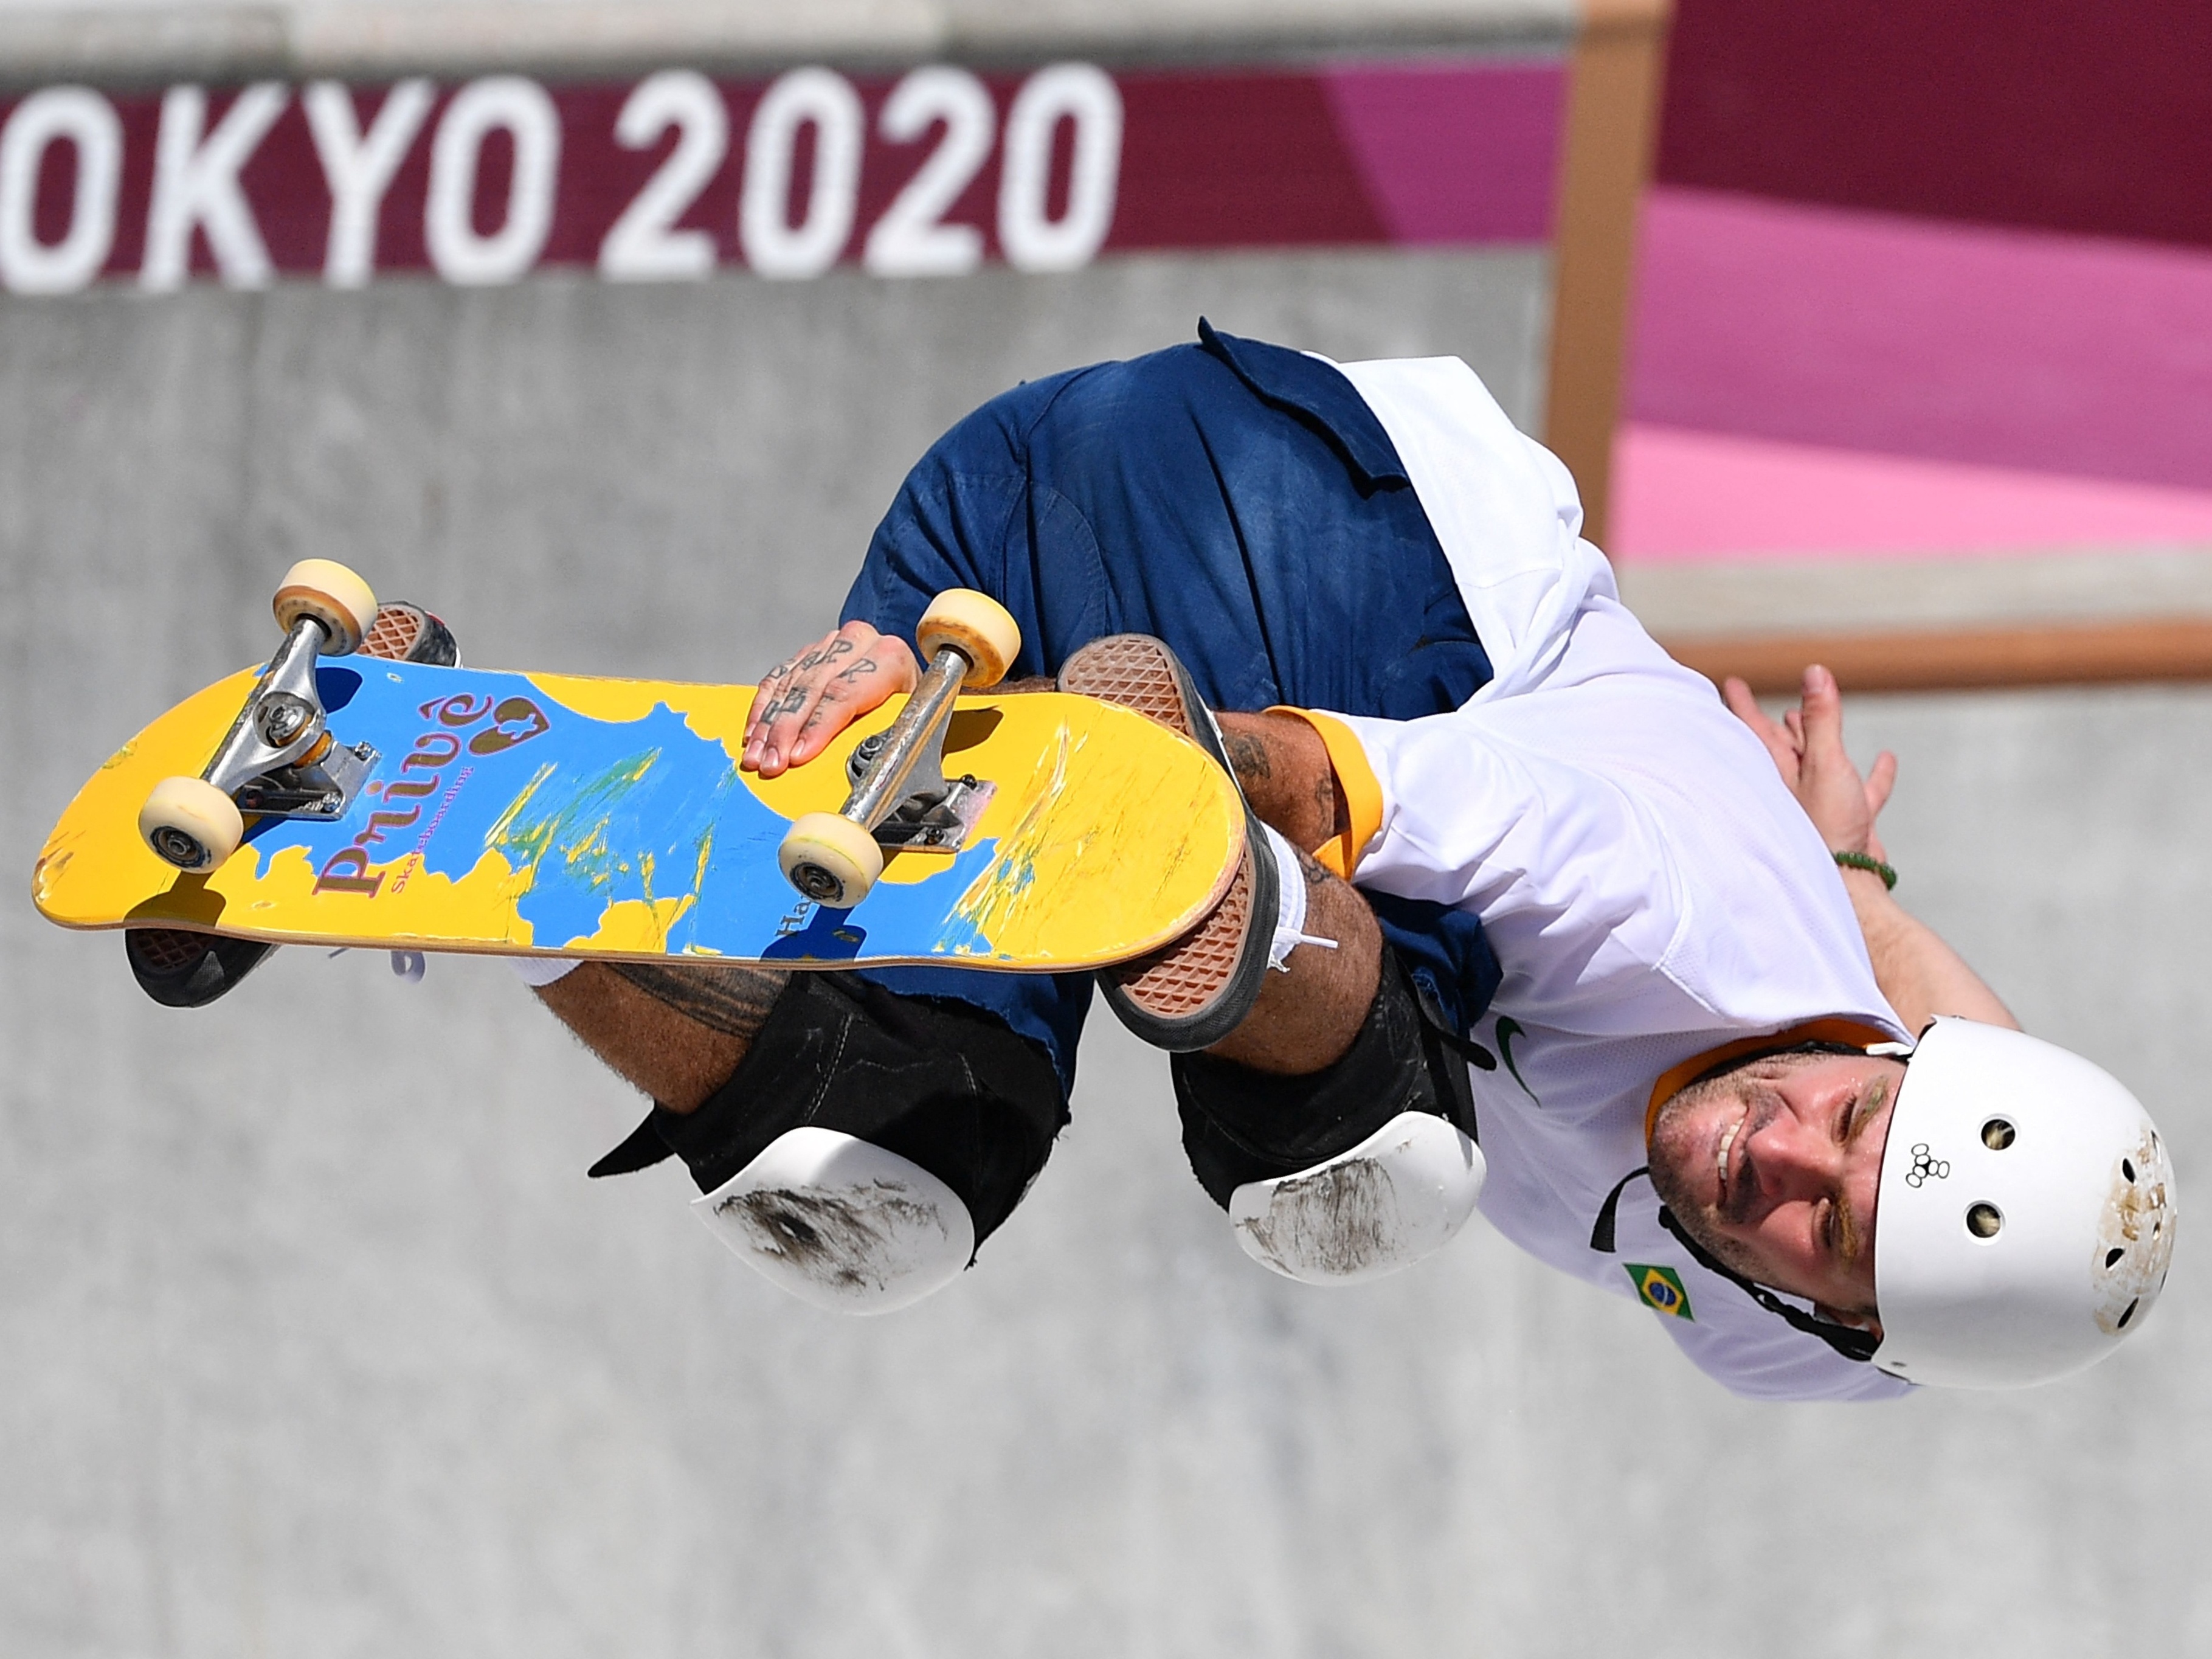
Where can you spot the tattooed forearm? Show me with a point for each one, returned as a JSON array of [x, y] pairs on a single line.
[[734, 1001], [1284, 768], [1329, 804], [1248, 757]]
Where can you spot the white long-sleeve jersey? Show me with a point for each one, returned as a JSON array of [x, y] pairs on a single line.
[[1650, 887]]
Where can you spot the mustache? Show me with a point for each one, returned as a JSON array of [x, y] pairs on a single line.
[[1742, 1193]]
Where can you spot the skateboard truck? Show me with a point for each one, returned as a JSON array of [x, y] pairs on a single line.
[[933, 814], [279, 758], [900, 796]]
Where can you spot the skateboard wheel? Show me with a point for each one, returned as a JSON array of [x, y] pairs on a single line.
[[976, 626], [334, 596], [190, 824], [831, 860]]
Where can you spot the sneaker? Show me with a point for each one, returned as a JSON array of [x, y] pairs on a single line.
[[1198, 990], [180, 968], [408, 633]]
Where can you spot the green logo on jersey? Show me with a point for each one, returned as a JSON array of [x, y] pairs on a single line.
[[1660, 1289], [1508, 1029]]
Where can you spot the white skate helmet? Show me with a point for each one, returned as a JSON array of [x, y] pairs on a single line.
[[2026, 1216]]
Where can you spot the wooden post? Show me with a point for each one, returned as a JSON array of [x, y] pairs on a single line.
[[1613, 104], [1961, 659]]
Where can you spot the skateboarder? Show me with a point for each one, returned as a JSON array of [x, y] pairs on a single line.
[[1594, 920]]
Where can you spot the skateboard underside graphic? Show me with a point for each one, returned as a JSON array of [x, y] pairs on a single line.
[[508, 813]]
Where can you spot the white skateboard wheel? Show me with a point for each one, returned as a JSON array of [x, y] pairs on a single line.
[[334, 596], [976, 626], [190, 824], [830, 859]]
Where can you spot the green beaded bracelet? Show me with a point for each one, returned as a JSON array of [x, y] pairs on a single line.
[[1868, 861]]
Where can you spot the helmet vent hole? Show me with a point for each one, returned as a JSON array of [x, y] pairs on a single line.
[[2113, 1258], [2129, 1314], [1984, 1220], [2128, 1168], [1997, 1134]]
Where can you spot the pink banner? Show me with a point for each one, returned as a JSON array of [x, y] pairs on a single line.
[[930, 172], [1948, 342], [1684, 497]]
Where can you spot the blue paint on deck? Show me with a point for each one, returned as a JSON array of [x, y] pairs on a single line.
[[637, 810]]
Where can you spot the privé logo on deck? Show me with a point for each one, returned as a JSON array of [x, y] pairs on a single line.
[[514, 720]]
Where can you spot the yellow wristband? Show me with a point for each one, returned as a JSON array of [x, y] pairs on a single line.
[[1356, 786]]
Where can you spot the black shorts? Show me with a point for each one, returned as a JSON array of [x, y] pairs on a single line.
[[939, 1082], [949, 1086]]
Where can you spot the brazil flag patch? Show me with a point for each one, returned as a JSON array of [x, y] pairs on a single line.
[[1661, 1290]]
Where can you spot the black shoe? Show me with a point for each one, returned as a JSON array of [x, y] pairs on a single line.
[[408, 633], [182, 969], [1199, 990], [179, 969]]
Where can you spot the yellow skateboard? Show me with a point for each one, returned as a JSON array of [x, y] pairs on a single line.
[[336, 800]]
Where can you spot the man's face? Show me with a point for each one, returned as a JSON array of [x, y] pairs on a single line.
[[1775, 1166]]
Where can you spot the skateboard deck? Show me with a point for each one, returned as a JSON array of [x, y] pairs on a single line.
[[544, 814]]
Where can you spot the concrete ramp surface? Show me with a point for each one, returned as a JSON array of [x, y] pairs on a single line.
[[314, 1340]]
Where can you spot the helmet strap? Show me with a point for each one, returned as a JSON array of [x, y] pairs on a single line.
[[1847, 1340]]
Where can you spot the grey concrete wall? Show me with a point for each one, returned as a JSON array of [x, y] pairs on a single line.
[[314, 1340], [40, 38]]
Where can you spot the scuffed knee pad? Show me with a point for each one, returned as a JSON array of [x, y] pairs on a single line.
[[1401, 1194], [1242, 1126], [943, 1086], [842, 1224]]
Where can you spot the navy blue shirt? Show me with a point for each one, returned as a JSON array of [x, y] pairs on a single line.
[[1237, 500]]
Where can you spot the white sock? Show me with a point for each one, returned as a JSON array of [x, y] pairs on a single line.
[[1289, 904], [537, 971]]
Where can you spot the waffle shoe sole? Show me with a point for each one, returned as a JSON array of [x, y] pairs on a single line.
[[408, 633], [1197, 991], [182, 970]]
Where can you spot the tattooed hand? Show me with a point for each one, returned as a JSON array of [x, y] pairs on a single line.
[[807, 700]]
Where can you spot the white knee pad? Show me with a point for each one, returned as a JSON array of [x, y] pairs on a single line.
[[842, 1224], [1397, 1197]]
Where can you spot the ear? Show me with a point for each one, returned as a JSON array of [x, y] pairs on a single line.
[[1857, 1321]]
